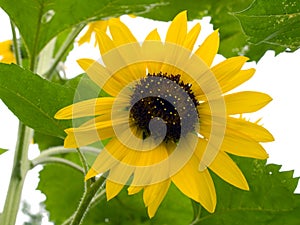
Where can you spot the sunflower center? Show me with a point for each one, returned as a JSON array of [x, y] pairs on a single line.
[[166, 97]]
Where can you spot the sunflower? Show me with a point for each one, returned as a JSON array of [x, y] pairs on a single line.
[[6, 52], [168, 117]]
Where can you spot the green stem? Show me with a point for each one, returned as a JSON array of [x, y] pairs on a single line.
[[197, 212], [83, 161], [96, 200], [61, 150], [21, 166], [85, 167], [63, 49], [86, 201], [46, 160], [17, 49]]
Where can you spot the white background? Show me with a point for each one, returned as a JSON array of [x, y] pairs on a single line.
[[278, 76]]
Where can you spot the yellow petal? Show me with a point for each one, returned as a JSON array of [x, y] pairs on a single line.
[[238, 125], [209, 48], [241, 145], [253, 130], [178, 29], [153, 36], [129, 49], [134, 189], [154, 194], [121, 173], [96, 129], [237, 143], [104, 42], [152, 50], [175, 54], [120, 33], [91, 173], [110, 156], [192, 37], [237, 79], [82, 136], [86, 38], [238, 103], [92, 122], [227, 69], [151, 166], [91, 107], [224, 167], [245, 102], [123, 62], [112, 189], [101, 25], [100, 76], [196, 185]]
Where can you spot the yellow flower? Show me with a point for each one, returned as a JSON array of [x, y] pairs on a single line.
[[6, 52], [168, 115]]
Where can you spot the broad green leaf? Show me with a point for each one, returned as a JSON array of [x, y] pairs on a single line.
[[40, 21], [272, 22], [63, 187], [270, 201], [2, 150], [130, 210], [33, 99]]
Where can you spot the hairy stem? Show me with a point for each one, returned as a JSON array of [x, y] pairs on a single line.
[[96, 200], [21, 166], [197, 212], [86, 200]]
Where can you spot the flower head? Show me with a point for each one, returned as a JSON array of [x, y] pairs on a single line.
[[6, 52], [168, 115]]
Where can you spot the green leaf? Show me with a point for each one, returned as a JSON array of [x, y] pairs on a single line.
[[125, 209], [63, 187], [270, 201], [43, 20], [2, 150], [45, 141], [34, 100], [275, 23]]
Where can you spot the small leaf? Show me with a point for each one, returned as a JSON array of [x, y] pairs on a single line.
[[2, 150], [275, 23]]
